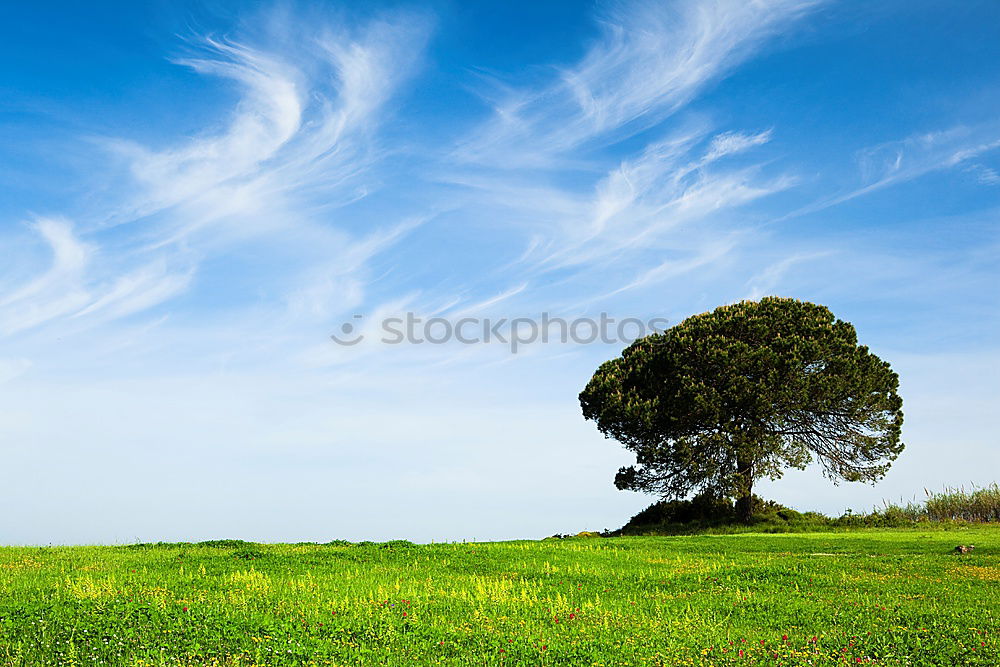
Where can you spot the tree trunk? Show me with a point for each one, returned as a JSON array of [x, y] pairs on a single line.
[[744, 493]]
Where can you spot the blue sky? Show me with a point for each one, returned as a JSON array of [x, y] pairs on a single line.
[[195, 196]]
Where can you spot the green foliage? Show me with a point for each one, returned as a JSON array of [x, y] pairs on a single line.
[[154, 545], [249, 553], [980, 505], [397, 544], [862, 597], [705, 512], [226, 544], [951, 508], [787, 514], [702, 508], [743, 392]]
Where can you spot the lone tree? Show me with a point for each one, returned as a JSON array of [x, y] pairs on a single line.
[[738, 394]]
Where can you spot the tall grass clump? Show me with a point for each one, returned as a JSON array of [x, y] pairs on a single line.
[[977, 506]]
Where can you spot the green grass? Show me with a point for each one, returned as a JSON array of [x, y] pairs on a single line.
[[878, 597]]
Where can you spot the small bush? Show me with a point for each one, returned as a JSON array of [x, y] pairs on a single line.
[[701, 512], [397, 544], [703, 507], [789, 515], [225, 544], [157, 545]]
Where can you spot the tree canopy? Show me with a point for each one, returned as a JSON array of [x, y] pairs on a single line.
[[741, 393]]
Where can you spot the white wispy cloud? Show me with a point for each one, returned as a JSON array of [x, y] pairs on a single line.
[[331, 288], [730, 143], [985, 175], [646, 198], [302, 141], [69, 259], [58, 291], [674, 197], [81, 282], [137, 291], [626, 203], [708, 253], [651, 59], [904, 159], [310, 101], [764, 282], [899, 161], [295, 147]]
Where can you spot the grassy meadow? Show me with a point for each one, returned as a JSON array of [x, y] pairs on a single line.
[[873, 597]]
